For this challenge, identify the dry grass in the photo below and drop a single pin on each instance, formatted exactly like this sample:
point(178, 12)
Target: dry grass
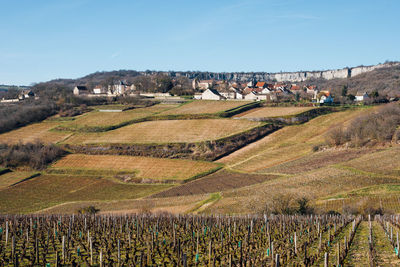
point(206, 107)
point(166, 132)
point(144, 168)
point(313, 185)
point(171, 205)
point(31, 133)
point(382, 162)
point(268, 112)
point(49, 190)
point(11, 178)
point(97, 118)
point(287, 144)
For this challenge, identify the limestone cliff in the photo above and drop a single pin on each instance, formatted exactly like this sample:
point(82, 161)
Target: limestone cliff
point(283, 76)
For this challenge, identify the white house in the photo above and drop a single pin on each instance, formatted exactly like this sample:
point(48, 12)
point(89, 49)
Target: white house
point(211, 94)
point(203, 84)
point(361, 97)
point(197, 96)
point(266, 91)
point(117, 89)
point(81, 90)
point(325, 97)
point(99, 90)
point(255, 96)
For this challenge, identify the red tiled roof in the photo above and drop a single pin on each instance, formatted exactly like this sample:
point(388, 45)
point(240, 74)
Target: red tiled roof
point(260, 84)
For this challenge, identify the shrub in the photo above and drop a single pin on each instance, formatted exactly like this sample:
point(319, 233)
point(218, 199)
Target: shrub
point(88, 210)
point(381, 126)
point(34, 155)
point(21, 114)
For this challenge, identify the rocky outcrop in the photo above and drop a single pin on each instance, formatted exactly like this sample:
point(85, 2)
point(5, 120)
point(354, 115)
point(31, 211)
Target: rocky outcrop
point(282, 76)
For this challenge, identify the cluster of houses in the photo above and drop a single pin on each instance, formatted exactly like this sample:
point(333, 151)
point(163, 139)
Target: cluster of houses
point(23, 95)
point(255, 91)
point(224, 90)
point(119, 88)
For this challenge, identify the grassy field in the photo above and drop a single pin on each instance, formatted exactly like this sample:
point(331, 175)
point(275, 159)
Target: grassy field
point(49, 190)
point(141, 167)
point(31, 133)
point(10, 178)
point(205, 107)
point(98, 118)
point(287, 144)
point(268, 112)
point(166, 132)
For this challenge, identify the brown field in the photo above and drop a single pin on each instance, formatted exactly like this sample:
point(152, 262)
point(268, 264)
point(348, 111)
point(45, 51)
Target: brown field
point(142, 167)
point(389, 203)
point(31, 133)
point(166, 132)
point(313, 185)
point(316, 160)
point(382, 162)
point(170, 205)
point(216, 182)
point(287, 144)
point(97, 118)
point(14, 177)
point(49, 190)
point(268, 112)
point(205, 106)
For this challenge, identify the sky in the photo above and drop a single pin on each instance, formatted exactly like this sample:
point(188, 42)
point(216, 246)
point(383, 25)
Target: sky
point(47, 39)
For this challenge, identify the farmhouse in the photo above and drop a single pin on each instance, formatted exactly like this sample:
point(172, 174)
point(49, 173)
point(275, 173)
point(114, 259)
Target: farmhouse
point(203, 84)
point(232, 93)
point(211, 94)
point(325, 97)
point(99, 90)
point(26, 94)
point(117, 89)
point(255, 96)
point(362, 97)
point(81, 90)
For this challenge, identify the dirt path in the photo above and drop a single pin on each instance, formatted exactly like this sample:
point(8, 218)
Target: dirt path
point(384, 250)
point(359, 249)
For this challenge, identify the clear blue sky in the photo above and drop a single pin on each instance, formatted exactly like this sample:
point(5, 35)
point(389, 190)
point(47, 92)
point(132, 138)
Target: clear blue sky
point(48, 39)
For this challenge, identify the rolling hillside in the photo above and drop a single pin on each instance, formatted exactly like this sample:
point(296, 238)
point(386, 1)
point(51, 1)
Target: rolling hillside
point(286, 162)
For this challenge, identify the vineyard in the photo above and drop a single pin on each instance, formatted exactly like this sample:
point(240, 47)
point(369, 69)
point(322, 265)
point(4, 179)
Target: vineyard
point(99, 118)
point(166, 131)
point(37, 131)
point(133, 169)
point(189, 240)
point(204, 106)
point(268, 112)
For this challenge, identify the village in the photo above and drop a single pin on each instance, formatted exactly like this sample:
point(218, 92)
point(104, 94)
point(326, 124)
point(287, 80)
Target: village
point(224, 90)
point(208, 90)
